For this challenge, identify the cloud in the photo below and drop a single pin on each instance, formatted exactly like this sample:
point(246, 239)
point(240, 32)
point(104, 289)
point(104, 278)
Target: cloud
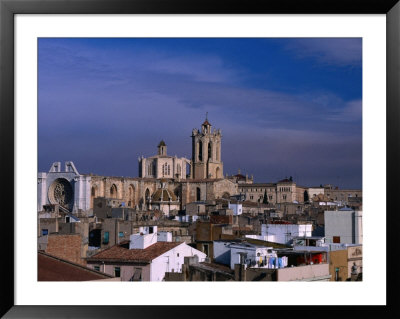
point(196, 68)
point(93, 104)
point(331, 51)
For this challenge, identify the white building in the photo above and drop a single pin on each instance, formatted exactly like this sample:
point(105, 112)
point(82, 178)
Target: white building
point(230, 253)
point(315, 191)
point(67, 188)
point(237, 208)
point(282, 233)
point(144, 257)
point(343, 226)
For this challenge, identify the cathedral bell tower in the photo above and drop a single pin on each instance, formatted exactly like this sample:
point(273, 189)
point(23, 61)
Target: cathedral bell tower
point(206, 153)
point(162, 148)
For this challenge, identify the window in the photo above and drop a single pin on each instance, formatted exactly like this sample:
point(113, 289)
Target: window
point(177, 255)
point(205, 249)
point(336, 239)
point(106, 237)
point(200, 151)
point(45, 232)
point(113, 191)
point(165, 169)
point(117, 271)
point(97, 268)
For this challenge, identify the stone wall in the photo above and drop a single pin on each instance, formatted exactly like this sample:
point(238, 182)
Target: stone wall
point(67, 247)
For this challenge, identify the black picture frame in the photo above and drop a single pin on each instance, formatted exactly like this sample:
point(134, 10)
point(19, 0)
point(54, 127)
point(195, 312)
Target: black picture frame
point(8, 8)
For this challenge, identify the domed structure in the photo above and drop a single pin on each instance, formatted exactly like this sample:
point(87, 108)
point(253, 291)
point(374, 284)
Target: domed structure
point(163, 195)
point(164, 199)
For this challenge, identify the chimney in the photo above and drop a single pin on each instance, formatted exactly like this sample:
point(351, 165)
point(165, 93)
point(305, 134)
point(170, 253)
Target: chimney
point(146, 237)
point(240, 269)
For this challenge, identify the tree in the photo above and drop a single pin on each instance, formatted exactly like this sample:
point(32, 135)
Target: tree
point(265, 199)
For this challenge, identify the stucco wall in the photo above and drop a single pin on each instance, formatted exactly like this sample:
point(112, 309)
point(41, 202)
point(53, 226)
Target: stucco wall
point(305, 273)
point(343, 224)
point(172, 260)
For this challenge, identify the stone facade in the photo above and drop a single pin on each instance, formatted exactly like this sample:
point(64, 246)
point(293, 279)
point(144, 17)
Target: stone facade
point(162, 165)
point(286, 191)
point(75, 192)
point(67, 188)
point(202, 190)
point(206, 153)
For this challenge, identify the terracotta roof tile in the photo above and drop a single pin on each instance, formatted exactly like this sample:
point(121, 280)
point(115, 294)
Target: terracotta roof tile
point(121, 253)
point(52, 268)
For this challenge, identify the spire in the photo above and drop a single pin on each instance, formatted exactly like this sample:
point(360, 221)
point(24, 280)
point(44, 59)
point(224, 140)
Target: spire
point(206, 121)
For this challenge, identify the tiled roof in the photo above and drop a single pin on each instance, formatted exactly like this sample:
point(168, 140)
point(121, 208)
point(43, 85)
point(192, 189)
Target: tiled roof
point(51, 268)
point(206, 122)
point(120, 253)
point(215, 267)
point(255, 185)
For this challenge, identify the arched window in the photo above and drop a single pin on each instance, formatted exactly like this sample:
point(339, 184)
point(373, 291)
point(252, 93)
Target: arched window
point(209, 150)
point(113, 191)
point(226, 195)
point(198, 193)
point(169, 170)
point(179, 170)
point(147, 195)
point(218, 173)
point(93, 195)
point(166, 169)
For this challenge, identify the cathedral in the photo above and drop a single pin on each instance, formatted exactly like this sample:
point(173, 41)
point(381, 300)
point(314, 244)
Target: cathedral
point(178, 180)
point(168, 183)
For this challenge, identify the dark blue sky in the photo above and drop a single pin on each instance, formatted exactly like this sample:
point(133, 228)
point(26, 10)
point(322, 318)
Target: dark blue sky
point(286, 107)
